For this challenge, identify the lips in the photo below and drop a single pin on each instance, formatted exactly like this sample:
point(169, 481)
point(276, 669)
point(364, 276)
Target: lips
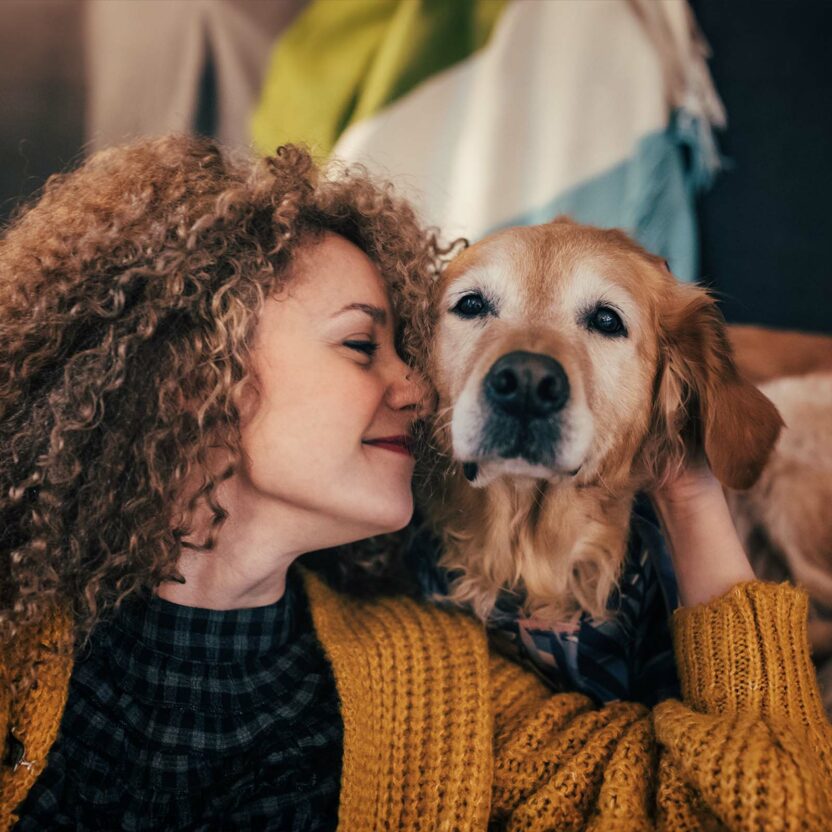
point(398, 444)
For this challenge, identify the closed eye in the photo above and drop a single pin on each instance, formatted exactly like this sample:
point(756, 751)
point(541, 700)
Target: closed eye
point(367, 347)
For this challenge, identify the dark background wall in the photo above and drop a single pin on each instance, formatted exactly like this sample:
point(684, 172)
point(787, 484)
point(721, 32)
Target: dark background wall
point(765, 225)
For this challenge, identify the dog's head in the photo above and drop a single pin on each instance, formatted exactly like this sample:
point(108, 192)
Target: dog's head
point(568, 353)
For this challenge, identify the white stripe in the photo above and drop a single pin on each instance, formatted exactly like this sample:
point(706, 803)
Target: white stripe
point(562, 92)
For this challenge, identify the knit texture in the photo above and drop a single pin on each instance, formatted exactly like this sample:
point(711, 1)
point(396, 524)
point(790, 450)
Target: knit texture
point(29, 724)
point(438, 735)
point(416, 711)
point(754, 714)
point(748, 749)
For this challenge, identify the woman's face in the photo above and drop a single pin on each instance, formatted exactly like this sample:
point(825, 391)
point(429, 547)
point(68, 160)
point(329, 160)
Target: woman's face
point(331, 386)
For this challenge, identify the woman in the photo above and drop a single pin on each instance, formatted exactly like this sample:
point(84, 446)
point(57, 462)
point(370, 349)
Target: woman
point(201, 381)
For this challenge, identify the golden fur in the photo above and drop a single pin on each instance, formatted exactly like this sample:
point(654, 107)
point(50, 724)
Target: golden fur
point(638, 406)
point(763, 354)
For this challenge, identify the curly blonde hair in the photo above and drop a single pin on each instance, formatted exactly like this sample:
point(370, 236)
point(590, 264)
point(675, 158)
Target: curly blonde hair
point(128, 298)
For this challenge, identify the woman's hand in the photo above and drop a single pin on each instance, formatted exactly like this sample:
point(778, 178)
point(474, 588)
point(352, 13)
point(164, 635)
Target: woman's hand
point(707, 554)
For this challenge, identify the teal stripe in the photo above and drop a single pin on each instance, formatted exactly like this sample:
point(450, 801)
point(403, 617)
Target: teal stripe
point(650, 195)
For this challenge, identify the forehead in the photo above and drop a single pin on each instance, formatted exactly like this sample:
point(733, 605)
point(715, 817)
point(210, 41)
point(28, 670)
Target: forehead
point(335, 271)
point(548, 262)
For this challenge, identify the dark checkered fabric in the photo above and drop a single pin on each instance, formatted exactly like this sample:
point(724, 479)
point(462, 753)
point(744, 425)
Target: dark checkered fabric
point(182, 718)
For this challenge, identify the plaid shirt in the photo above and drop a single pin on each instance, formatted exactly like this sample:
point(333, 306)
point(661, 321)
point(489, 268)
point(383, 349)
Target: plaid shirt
point(184, 718)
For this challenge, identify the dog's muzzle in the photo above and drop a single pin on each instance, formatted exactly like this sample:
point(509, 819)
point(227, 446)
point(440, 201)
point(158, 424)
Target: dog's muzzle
point(523, 394)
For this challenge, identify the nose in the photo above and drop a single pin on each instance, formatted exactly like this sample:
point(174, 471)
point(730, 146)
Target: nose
point(409, 389)
point(527, 384)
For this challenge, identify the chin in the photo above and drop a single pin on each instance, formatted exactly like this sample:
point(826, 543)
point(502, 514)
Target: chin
point(394, 518)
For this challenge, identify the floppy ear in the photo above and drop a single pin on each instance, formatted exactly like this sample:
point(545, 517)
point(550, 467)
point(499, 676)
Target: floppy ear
point(702, 403)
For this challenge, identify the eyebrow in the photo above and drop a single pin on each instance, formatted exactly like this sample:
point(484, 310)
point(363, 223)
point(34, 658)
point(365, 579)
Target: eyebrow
point(378, 315)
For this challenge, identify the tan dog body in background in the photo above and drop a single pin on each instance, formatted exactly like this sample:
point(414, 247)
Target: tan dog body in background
point(785, 519)
point(572, 370)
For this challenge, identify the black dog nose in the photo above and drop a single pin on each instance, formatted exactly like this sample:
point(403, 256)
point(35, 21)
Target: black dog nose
point(527, 384)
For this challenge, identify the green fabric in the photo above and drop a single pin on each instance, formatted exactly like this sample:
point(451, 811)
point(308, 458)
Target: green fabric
point(344, 60)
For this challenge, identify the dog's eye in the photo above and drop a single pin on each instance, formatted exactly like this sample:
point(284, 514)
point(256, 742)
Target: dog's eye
point(471, 306)
point(606, 321)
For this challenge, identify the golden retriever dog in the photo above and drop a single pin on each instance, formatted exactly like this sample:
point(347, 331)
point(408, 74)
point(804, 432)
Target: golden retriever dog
point(572, 371)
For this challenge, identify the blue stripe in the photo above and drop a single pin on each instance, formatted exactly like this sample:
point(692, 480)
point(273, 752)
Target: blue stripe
point(650, 195)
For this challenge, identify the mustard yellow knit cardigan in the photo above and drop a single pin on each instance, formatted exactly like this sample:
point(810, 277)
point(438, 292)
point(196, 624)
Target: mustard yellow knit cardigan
point(439, 734)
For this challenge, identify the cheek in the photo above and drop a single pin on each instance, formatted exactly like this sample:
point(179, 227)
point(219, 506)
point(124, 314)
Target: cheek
point(316, 413)
point(444, 368)
point(619, 389)
point(459, 344)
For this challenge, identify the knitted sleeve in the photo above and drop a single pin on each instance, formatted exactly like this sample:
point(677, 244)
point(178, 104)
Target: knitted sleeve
point(748, 748)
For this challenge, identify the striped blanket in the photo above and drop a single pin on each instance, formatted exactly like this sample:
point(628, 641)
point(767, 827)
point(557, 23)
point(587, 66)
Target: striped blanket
point(490, 113)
